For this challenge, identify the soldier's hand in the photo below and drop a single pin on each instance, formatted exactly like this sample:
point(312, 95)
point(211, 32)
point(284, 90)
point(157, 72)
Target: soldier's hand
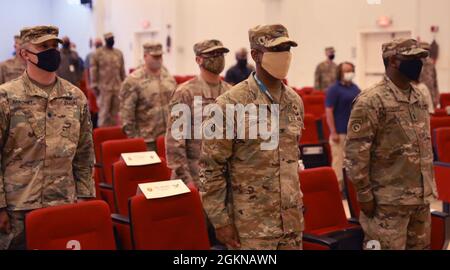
point(368, 208)
point(228, 236)
point(335, 138)
point(5, 225)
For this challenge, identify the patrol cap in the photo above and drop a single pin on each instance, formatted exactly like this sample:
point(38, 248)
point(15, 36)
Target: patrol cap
point(208, 46)
point(153, 48)
point(404, 47)
point(39, 34)
point(425, 46)
point(108, 35)
point(268, 36)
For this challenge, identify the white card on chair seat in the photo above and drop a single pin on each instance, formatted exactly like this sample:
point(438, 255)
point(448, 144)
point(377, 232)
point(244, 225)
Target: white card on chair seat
point(163, 189)
point(141, 158)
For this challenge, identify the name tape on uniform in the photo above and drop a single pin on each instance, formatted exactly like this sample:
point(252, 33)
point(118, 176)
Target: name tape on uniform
point(141, 159)
point(158, 190)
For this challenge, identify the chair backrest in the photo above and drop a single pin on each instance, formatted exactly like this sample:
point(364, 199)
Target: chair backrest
point(102, 135)
point(445, 100)
point(442, 176)
point(315, 105)
point(82, 226)
point(325, 128)
point(174, 223)
point(126, 180)
point(322, 199)
point(442, 144)
point(310, 134)
point(439, 113)
point(183, 79)
point(112, 151)
point(438, 122)
point(161, 146)
point(352, 198)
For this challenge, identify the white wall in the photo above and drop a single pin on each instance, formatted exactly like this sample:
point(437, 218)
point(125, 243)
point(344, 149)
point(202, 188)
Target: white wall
point(73, 20)
point(315, 24)
point(17, 14)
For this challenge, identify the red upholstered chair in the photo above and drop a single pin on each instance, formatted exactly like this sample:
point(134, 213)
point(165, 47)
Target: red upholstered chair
point(183, 79)
point(442, 176)
point(440, 222)
point(324, 212)
point(440, 113)
point(315, 105)
point(161, 147)
point(125, 182)
point(325, 128)
point(445, 100)
point(111, 152)
point(442, 144)
point(82, 226)
point(310, 134)
point(174, 223)
point(439, 122)
point(100, 136)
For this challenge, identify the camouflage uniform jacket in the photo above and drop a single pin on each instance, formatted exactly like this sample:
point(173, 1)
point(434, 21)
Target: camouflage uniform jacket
point(46, 147)
point(107, 69)
point(144, 104)
point(183, 155)
point(389, 155)
point(325, 75)
point(429, 78)
point(11, 69)
point(266, 199)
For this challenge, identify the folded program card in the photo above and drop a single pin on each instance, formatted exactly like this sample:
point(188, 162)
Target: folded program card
point(141, 158)
point(163, 189)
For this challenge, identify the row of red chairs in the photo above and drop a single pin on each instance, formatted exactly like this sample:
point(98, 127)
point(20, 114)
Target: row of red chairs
point(175, 223)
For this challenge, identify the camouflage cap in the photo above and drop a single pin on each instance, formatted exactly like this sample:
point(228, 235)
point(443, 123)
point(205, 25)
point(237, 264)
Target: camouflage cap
point(153, 48)
point(268, 36)
point(404, 47)
point(39, 34)
point(108, 35)
point(208, 46)
point(425, 46)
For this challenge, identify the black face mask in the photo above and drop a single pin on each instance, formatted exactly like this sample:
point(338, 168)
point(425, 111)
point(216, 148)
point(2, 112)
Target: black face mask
point(411, 69)
point(242, 63)
point(332, 57)
point(66, 45)
point(110, 43)
point(48, 60)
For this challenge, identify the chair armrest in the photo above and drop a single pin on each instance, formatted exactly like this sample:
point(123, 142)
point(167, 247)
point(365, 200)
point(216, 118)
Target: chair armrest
point(331, 243)
point(105, 186)
point(120, 219)
point(354, 221)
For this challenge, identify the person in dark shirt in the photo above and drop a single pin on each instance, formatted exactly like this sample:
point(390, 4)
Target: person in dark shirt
point(70, 69)
point(340, 97)
point(241, 71)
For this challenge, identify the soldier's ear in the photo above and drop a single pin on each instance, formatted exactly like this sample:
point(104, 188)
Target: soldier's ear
point(257, 56)
point(199, 60)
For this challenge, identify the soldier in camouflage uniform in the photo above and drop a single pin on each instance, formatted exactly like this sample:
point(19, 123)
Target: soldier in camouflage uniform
point(183, 155)
point(389, 157)
point(14, 67)
point(145, 97)
point(46, 147)
point(326, 72)
point(429, 76)
point(107, 74)
point(251, 195)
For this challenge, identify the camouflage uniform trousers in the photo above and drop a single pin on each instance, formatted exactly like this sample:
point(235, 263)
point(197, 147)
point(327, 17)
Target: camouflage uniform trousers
point(108, 103)
point(399, 227)
point(16, 239)
point(292, 241)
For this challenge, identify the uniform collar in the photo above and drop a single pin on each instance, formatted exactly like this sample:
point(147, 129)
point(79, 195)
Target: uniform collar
point(261, 98)
point(400, 95)
point(32, 89)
